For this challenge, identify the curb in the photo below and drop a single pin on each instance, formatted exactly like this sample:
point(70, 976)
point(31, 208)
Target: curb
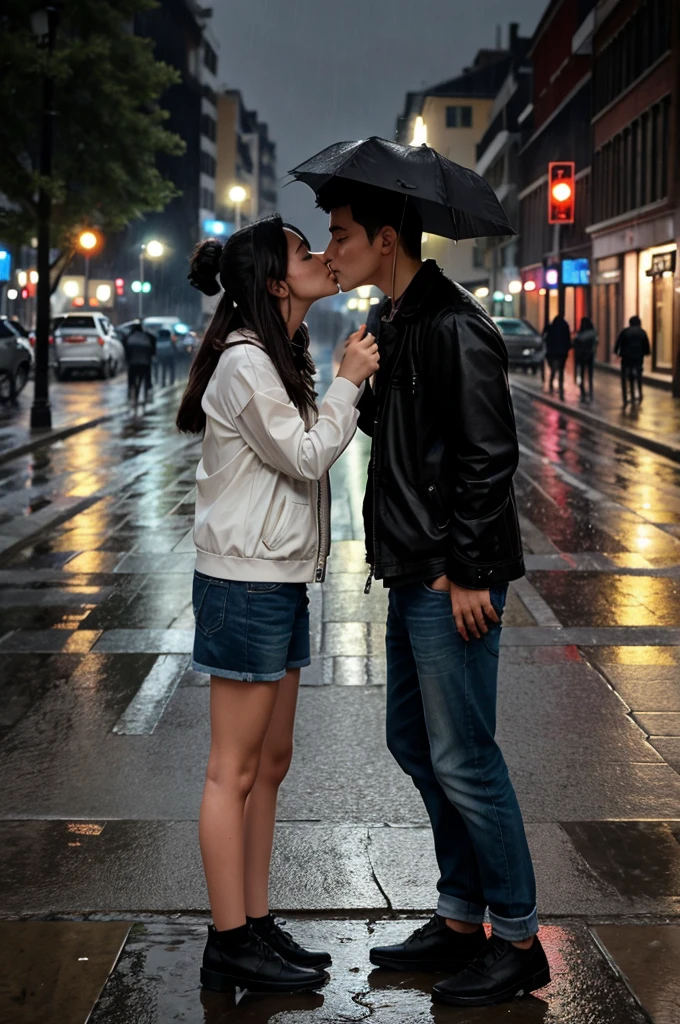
point(41, 440)
point(625, 433)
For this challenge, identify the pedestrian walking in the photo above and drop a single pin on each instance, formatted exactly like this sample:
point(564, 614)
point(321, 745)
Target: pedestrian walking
point(557, 345)
point(442, 533)
point(585, 346)
point(166, 358)
point(139, 347)
point(632, 345)
point(262, 533)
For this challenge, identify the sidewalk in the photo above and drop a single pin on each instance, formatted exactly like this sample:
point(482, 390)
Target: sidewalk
point(654, 425)
point(76, 405)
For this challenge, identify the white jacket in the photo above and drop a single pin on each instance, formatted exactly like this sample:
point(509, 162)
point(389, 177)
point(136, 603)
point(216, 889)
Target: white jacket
point(262, 510)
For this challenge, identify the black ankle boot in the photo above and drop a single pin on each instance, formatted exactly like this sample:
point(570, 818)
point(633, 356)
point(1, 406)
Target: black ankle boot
point(500, 973)
point(254, 965)
point(285, 945)
point(434, 947)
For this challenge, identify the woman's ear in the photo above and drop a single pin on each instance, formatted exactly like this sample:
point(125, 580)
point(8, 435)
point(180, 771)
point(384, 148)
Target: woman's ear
point(279, 289)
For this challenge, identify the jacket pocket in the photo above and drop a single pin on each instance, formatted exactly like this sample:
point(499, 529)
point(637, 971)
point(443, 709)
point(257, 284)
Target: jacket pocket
point(286, 521)
point(441, 516)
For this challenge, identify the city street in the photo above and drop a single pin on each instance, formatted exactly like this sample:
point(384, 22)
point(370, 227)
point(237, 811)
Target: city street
point(105, 735)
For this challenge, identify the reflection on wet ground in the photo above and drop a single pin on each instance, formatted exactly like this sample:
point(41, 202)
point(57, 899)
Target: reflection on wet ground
point(155, 982)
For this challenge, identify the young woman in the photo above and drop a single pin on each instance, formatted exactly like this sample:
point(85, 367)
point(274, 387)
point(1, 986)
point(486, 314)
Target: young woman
point(261, 534)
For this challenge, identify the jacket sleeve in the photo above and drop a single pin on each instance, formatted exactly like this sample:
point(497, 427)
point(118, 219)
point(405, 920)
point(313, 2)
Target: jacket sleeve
point(467, 380)
point(272, 426)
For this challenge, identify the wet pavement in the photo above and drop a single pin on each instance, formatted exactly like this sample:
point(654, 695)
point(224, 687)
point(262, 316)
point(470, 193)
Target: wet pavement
point(104, 732)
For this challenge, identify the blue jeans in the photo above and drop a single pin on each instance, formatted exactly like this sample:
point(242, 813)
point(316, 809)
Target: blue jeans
point(441, 723)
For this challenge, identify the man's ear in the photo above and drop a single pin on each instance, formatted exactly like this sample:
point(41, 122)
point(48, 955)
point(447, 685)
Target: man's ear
point(279, 289)
point(388, 240)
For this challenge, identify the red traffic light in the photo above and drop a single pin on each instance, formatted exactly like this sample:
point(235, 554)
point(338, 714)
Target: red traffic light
point(561, 192)
point(120, 286)
point(24, 293)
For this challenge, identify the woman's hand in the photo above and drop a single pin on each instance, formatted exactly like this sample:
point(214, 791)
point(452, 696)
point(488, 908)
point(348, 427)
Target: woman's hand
point(361, 357)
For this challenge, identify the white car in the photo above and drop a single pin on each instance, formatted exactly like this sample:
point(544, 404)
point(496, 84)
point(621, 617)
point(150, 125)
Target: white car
point(86, 341)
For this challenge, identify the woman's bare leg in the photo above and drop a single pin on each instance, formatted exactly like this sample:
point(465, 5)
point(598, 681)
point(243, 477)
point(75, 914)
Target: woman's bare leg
point(260, 813)
point(240, 715)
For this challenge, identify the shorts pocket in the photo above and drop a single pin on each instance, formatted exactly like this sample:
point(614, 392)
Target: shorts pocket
point(210, 604)
point(263, 588)
point(492, 638)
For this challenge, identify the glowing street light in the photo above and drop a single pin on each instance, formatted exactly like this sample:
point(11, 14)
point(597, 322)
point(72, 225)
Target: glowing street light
point(154, 250)
point(237, 196)
point(515, 287)
point(88, 241)
point(482, 293)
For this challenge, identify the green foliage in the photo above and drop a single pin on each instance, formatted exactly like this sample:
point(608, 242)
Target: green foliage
point(108, 126)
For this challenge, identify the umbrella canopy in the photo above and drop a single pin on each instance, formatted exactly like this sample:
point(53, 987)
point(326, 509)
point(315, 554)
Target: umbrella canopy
point(453, 201)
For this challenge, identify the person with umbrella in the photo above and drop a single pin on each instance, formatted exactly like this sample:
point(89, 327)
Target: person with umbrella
point(442, 533)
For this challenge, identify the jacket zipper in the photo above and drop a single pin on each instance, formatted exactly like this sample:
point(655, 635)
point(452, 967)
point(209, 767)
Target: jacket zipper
point(322, 526)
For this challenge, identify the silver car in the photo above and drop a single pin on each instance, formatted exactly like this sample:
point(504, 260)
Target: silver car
point(16, 359)
point(86, 341)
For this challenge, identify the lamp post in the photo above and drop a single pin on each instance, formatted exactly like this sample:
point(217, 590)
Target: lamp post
point(88, 241)
point(237, 196)
point(154, 250)
point(44, 25)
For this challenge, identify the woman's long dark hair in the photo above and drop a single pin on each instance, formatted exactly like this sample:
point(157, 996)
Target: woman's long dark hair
point(252, 256)
point(586, 324)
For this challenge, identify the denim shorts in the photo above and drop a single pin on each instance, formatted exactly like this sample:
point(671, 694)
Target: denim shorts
point(250, 631)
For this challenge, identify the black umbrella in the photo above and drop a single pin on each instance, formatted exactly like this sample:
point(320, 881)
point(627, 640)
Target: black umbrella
point(452, 200)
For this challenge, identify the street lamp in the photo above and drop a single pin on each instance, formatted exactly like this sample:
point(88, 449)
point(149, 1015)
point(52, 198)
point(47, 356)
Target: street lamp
point(44, 25)
point(88, 242)
point(154, 250)
point(237, 196)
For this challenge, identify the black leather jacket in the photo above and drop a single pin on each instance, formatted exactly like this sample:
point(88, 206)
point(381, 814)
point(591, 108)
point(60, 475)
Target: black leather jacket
point(444, 442)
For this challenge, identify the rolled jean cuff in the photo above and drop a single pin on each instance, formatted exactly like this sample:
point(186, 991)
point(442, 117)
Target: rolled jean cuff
point(514, 929)
point(459, 910)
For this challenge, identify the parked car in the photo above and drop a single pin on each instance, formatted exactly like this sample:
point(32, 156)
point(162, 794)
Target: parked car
point(86, 341)
point(526, 347)
point(16, 359)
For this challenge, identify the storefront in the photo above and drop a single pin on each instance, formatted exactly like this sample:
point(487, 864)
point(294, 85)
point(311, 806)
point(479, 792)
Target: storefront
point(607, 305)
point(656, 271)
point(576, 284)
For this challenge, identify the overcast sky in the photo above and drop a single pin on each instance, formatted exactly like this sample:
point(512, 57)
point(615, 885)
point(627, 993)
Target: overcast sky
point(319, 72)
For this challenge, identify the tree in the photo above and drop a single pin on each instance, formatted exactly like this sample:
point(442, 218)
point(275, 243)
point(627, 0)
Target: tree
point(108, 127)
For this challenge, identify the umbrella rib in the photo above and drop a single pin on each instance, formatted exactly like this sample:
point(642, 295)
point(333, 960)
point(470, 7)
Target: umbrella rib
point(446, 193)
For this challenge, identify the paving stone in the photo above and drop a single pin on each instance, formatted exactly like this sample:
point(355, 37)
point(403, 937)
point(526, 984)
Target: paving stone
point(56, 970)
point(349, 638)
point(404, 863)
point(647, 955)
point(669, 749)
point(153, 641)
point(659, 723)
point(637, 858)
point(646, 687)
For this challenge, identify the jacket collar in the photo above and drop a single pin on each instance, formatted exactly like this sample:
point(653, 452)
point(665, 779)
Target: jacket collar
point(422, 284)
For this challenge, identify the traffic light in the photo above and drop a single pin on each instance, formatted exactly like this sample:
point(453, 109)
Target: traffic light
point(561, 192)
point(120, 286)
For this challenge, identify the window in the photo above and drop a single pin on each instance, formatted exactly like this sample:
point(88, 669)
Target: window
point(210, 58)
point(641, 41)
point(207, 199)
point(208, 164)
point(459, 117)
point(209, 127)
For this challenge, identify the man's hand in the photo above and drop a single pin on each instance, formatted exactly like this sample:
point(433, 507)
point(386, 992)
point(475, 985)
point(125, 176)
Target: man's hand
point(471, 608)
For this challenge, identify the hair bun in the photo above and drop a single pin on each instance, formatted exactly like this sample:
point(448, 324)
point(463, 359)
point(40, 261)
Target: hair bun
point(205, 266)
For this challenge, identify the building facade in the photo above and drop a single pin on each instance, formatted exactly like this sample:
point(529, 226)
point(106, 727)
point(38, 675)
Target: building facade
point(497, 156)
point(635, 222)
point(452, 117)
point(246, 156)
point(555, 259)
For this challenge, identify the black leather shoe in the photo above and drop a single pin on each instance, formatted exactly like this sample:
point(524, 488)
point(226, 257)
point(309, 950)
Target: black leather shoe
point(253, 965)
point(500, 973)
point(285, 945)
point(434, 947)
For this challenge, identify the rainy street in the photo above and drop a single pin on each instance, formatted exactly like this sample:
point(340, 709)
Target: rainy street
point(105, 732)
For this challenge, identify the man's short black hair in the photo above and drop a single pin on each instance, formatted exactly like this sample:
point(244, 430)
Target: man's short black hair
point(375, 208)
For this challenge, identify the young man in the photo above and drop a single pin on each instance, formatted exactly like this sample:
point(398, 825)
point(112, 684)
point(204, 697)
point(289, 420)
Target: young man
point(632, 345)
point(442, 533)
